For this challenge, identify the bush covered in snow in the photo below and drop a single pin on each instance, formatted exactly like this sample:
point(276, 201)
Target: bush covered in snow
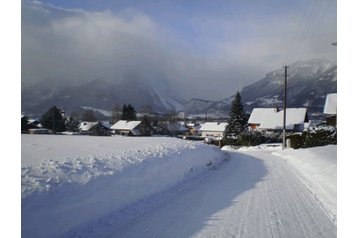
point(253, 138)
point(317, 136)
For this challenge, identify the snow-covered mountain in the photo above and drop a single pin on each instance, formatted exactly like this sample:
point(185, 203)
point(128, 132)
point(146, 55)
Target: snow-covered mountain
point(307, 86)
point(102, 95)
point(200, 106)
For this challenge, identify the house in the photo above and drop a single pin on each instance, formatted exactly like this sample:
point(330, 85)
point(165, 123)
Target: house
point(330, 109)
point(93, 128)
point(193, 129)
point(271, 119)
point(127, 128)
point(213, 129)
point(34, 123)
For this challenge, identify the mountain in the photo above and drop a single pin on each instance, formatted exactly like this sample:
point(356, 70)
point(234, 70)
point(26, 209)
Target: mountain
point(101, 94)
point(200, 106)
point(307, 86)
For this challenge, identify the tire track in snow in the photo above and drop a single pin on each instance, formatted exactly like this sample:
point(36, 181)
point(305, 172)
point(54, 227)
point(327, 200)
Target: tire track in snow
point(255, 194)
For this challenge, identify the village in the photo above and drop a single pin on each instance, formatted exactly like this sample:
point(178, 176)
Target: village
point(267, 121)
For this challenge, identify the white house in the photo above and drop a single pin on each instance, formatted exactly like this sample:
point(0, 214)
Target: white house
point(92, 128)
point(330, 108)
point(86, 126)
point(271, 119)
point(124, 127)
point(213, 129)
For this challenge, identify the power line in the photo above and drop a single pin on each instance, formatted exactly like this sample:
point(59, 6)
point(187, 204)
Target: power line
point(308, 27)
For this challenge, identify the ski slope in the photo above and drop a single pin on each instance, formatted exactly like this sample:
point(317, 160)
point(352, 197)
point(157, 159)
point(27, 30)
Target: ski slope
point(254, 194)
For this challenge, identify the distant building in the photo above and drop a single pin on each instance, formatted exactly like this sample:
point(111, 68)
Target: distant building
point(93, 128)
point(271, 119)
point(213, 129)
point(127, 128)
point(330, 109)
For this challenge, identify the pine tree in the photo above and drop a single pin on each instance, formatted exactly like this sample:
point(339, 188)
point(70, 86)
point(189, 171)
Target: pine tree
point(116, 114)
point(128, 113)
point(54, 120)
point(24, 122)
point(146, 128)
point(238, 119)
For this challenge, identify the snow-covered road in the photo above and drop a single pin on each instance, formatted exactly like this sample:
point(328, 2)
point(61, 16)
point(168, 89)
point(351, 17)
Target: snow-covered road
point(254, 194)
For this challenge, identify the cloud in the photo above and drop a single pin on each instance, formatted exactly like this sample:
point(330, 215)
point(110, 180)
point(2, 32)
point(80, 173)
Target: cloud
point(74, 45)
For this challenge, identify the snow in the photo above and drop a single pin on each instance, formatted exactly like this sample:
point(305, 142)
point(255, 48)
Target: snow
point(330, 106)
point(125, 125)
point(318, 168)
point(213, 126)
point(270, 118)
point(85, 126)
point(68, 181)
point(254, 194)
point(81, 186)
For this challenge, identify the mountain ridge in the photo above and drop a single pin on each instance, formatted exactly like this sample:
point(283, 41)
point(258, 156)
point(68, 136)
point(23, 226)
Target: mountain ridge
point(308, 84)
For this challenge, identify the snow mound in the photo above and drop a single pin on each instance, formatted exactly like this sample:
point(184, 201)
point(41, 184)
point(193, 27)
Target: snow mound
point(62, 192)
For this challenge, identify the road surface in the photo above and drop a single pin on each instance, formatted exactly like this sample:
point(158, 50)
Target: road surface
point(254, 194)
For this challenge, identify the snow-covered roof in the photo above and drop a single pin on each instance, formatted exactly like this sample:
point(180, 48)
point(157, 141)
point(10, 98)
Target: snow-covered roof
point(271, 118)
point(85, 126)
point(125, 125)
point(213, 126)
point(331, 104)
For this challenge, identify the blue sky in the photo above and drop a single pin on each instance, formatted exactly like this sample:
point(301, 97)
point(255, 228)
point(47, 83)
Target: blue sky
point(217, 47)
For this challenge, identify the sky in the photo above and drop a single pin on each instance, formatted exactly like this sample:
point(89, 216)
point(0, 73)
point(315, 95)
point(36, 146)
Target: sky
point(204, 49)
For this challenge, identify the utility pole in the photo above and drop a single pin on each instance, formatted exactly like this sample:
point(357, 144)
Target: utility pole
point(53, 121)
point(284, 111)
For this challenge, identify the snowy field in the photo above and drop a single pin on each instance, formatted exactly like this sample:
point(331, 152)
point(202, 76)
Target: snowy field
point(83, 186)
point(68, 181)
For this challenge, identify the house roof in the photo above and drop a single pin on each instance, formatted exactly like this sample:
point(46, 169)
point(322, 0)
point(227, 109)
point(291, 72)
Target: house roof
point(213, 126)
point(125, 125)
point(331, 104)
point(86, 126)
point(271, 118)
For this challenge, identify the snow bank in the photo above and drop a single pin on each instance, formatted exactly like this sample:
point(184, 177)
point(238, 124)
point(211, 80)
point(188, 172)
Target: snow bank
point(68, 181)
point(262, 147)
point(318, 167)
